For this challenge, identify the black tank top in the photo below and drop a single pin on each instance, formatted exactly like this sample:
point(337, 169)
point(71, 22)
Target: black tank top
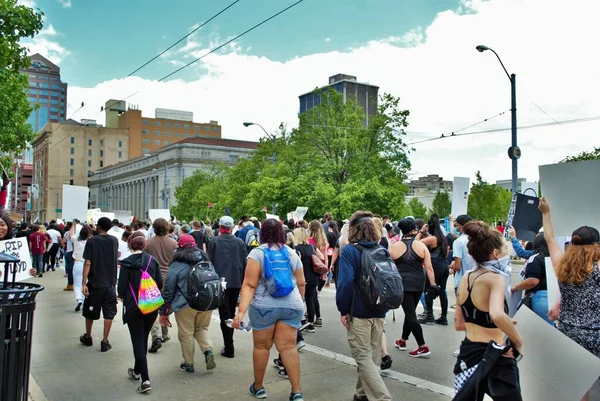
point(476, 316)
point(410, 266)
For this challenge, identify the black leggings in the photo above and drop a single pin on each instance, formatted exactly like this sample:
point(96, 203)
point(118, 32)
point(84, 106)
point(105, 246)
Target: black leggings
point(227, 311)
point(52, 256)
point(139, 331)
point(441, 272)
point(411, 323)
point(311, 300)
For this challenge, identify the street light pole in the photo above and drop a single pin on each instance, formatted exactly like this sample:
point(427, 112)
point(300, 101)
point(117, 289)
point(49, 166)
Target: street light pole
point(274, 157)
point(165, 200)
point(514, 152)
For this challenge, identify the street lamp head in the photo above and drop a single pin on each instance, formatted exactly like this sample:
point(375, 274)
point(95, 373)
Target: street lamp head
point(482, 48)
point(247, 124)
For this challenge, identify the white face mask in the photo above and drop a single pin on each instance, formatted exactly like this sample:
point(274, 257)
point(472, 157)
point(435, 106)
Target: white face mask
point(503, 264)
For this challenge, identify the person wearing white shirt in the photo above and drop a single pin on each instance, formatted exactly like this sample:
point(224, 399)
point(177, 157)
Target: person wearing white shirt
point(56, 237)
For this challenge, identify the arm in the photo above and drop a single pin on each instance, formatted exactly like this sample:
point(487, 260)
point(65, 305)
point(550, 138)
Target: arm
point(522, 253)
point(526, 284)
point(168, 291)
point(499, 317)
point(555, 251)
point(122, 286)
point(345, 284)
point(428, 265)
point(86, 272)
point(249, 286)
point(459, 320)
point(300, 281)
point(457, 265)
point(430, 241)
point(334, 258)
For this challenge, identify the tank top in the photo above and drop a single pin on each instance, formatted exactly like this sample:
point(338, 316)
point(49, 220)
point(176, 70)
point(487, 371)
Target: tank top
point(410, 266)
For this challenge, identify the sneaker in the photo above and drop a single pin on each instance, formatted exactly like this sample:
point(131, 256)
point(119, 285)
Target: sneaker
point(105, 346)
point(132, 375)
point(144, 387)
point(386, 362)
point(442, 321)
point(156, 344)
point(278, 363)
point(260, 393)
point(78, 307)
point(227, 353)
point(427, 319)
point(318, 322)
point(360, 398)
point(455, 353)
point(165, 339)
point(421, 315)
point(283, 374)
point(85, 340)
point(401, 345)
point(296, 397)
point(310, 328)
point(304, 321)
point(420, 352)
point(40, 275)
point(300, 344)
point(184, 367)
point(209, 358)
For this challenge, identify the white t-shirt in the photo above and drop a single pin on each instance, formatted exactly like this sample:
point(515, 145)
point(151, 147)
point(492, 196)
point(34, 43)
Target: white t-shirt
point(124, 250)
point(145, 232)
point(55, 235)
point(116, 232)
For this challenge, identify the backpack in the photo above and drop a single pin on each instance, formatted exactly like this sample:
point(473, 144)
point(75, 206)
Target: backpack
point(278, 272)
point(204, 289)
point(251, 239)
point(149, 298)
point(379, 283)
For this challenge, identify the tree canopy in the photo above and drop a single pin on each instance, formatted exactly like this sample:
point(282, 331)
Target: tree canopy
point(331, 163)
point(442, 204)
point(488, 202)
point(583, 156)
point(417, 209)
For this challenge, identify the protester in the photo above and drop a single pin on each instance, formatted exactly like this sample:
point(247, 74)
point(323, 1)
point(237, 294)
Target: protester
point(274, 310)
point(191, 324)
point(56, 237)
point(139, 324)
point(482, 312)
point(99, 282)
point(306, 251)
point(198, 234)
point(37, 246)
point(78, 244)
point(228, 255)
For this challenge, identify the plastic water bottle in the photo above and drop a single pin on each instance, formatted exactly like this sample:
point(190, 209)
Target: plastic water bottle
point(243, 326)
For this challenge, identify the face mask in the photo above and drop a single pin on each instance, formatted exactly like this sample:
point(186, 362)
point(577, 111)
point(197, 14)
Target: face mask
point(455, 231)
point(502, 265)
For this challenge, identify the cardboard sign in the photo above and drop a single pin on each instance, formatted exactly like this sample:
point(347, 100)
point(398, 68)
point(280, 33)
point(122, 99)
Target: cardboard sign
point(272, 216)
point(154, 214)
point(98, 215)
point(89, 216)
point(300, 213)
point(460, 196)
point(19, 248)
point(75, 202)
point(572, 192)
point(124, 216)
point(552, 284)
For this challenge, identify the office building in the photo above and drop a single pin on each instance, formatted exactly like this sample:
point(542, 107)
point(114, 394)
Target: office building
point(507, 184)
point(429, 184)
point(67, 153)
point(150, 134)
point(365, 94)
point(20, 199)
point(149, 182)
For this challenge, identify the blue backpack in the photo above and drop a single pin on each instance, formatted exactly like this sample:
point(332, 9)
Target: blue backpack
point(278, 272)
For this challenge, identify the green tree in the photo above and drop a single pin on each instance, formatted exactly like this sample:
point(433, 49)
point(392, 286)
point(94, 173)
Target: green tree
point(488, 202)
point(417, 209)
point(16, 22)
point(442, 204)
point(583, 156)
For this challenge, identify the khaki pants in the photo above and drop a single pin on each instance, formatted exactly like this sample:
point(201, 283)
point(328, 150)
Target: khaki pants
point(191, 325)
point(159, 331)
point(364, 339)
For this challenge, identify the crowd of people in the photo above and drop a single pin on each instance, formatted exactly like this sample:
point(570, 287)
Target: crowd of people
point(271, 273)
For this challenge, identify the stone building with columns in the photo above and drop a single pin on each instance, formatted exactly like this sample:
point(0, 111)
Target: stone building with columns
point(149, 181)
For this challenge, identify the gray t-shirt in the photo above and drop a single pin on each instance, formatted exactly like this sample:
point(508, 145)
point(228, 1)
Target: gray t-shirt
point(262, 299)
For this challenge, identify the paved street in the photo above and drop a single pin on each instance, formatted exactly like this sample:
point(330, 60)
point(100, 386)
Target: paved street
point(65, 370)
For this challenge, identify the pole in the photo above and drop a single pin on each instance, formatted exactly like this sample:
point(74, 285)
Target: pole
point(17, 190)
point(513, 112)
point(165, 200)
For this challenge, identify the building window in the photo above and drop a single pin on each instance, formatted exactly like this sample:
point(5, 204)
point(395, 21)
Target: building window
point(156, 141)
point(145, 132)
point(72, 139)
point(71, 182)
point(62, 96)
point(33, 84)
point(72, 162)
point(177, 135)
point(156, 133)
point(196, 128)
point(54, 94)
point(54, 101)
point(32, 91)
point(71, 173)
point(120, 143)
point(216, 129)
point(101, 142)
point(166, 143)
point(43, 77)
point(32, 98)
point(145, 150)
point(145, 141)
point(166, 133)
point(157, 123)
point(101, 163)
point(89, 142)
point(54, 86)
point(72, 151)
point(89, 163)
point(167, 125)
point(90, 152)
point(42, 100)
point(120, 154)
point(234, 158)
point(53, 78)
point(186, 126)
point(43, 85)
point(177, 125)
point(54, 117)
point(206, 128)
point(62, 104)
point(145, 122)
point(43, 93)
point(54, 109)
point(186, 135)
point(101, 153)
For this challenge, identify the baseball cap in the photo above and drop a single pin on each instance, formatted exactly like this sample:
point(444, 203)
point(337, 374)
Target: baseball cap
point(226, 222)
point(407, 226)
point(463, 219)
point(186, 241)
point(585, 236)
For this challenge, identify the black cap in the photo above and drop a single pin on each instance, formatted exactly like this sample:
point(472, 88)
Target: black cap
point(585, 236)
point(407, 226)
point(463, 219)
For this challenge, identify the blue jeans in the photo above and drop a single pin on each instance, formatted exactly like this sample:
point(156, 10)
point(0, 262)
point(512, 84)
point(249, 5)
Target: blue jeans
point(37, 262)
point(69, 262)
point(539, 304)
point(263, 319)
point(424, 303)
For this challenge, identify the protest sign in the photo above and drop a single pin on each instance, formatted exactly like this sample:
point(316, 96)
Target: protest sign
point(272, 216)
point(300, 213)
point(552, 284)
point(74, 202)
point(524, 216)
point(19, 248)
point(154, 214)
point(124, 216)
point(460, 196)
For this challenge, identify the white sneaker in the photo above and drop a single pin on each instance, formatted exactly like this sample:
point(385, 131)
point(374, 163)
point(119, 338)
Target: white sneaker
point(300, 345)
point(455, 353)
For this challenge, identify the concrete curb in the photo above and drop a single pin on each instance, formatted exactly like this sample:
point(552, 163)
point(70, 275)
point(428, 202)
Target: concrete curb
point(35, 393)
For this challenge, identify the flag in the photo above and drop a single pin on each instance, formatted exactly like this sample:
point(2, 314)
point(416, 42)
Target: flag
point(210, 205)
point(265, 209)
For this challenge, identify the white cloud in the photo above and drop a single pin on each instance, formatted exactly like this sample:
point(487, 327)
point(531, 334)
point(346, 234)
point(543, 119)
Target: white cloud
point(440, 77)
point(327, 40)
point(45, 43)
point(65, 3)
point(27, 3)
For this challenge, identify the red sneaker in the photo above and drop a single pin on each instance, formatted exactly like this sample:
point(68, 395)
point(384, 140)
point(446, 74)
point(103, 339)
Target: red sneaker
point(401, 345)
point(420, 352)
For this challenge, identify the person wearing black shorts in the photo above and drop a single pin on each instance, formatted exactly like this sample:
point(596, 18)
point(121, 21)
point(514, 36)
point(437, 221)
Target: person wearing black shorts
point(99, 281)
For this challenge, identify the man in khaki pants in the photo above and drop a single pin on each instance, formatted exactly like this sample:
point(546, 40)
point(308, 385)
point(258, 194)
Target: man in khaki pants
point(365, 327)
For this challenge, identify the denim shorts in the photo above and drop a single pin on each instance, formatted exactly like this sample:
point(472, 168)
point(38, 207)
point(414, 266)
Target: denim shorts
point(263, 319)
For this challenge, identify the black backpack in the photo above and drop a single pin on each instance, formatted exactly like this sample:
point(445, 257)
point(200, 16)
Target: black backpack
point(204, 291)
point(379, 283)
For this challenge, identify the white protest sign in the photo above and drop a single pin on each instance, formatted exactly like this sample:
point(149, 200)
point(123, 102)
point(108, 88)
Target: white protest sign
point(154, 214)
point(124, 216)
point(19, 248)
point(89, 217)
point(300, 213)
point(290, 216)
point(75, 202)
point(460, 196)
point(547, 355)
point(572, 192)
point(552, 284)
point(98, 215)
point(272, 216)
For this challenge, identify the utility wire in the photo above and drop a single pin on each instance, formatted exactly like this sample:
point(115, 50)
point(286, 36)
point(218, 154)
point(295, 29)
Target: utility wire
point(548, 115)
point(561, 122)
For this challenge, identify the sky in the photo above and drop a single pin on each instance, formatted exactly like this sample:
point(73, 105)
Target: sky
point(421, 51)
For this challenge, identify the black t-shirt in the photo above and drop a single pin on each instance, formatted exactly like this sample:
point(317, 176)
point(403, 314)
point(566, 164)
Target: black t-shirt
point(306, 252)
point(200, 238)
point(536, 268)
point(101, 251)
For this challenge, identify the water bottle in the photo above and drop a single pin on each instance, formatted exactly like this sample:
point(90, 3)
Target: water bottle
point(243, 326)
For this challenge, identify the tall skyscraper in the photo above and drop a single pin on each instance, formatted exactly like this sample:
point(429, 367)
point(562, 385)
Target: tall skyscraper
point(365, 94)
point(46, 90)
